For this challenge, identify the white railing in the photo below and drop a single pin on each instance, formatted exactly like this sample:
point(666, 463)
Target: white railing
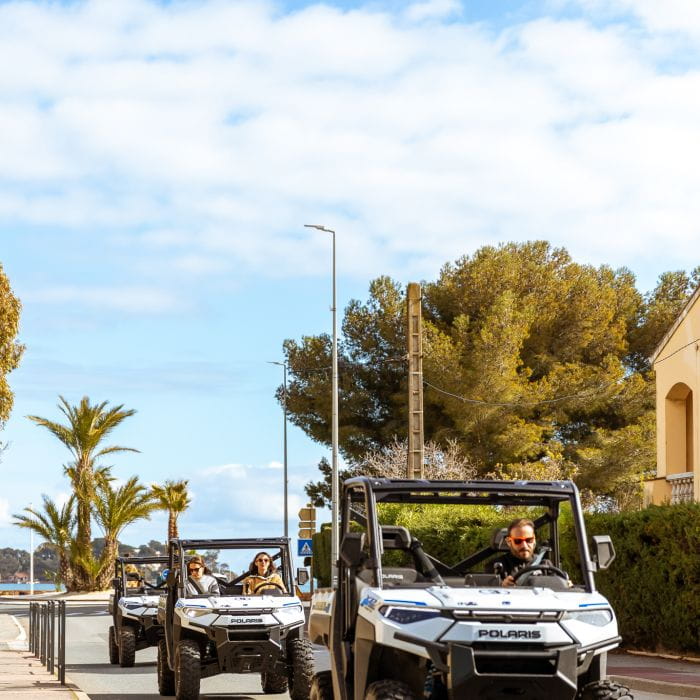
point(681, 487)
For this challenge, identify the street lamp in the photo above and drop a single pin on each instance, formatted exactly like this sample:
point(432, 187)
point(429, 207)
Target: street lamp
point(31, 557)
point(334, 426)
point(286, 482)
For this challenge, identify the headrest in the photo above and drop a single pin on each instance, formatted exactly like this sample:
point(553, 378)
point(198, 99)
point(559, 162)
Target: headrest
point(498, 540)
point(395, 537)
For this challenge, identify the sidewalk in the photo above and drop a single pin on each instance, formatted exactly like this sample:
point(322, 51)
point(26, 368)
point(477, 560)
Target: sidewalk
point(656, 674)
point(21, 674)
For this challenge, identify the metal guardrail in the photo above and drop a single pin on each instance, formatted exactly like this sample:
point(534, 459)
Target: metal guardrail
point(47, 635)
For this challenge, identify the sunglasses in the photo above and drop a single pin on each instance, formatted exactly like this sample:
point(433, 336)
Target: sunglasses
point(262, 561)
point(195, 568)
point(520, 540)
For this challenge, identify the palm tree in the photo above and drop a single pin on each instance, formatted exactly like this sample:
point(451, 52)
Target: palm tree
point(56, 527)
point(88, 425)
point(114, 510)
point(173, 497)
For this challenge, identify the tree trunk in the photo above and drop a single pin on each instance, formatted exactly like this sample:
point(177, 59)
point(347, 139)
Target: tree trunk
point(172, 524)
point(65, 573)
point(106, 573)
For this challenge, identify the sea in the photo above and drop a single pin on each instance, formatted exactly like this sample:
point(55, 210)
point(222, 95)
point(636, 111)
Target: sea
point(27, 587)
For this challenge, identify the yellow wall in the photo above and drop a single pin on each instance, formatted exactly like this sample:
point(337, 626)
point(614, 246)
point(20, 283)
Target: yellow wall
point(677, 405)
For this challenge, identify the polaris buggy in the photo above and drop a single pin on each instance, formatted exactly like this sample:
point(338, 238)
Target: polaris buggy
point(207, 634)
point(133, 605)
point(403, 624)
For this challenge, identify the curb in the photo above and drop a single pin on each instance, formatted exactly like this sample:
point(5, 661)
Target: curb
point(682, 690)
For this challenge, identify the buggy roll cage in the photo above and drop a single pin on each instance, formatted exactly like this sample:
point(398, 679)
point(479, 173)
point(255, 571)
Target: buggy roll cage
point(120, 564)
point(369, 491)
point(177, 556)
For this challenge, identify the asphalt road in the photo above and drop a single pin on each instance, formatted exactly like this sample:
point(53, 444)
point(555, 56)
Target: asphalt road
point(88, 666)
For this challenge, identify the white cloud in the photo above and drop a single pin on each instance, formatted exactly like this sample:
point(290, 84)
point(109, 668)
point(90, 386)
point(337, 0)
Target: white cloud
point(141, 300)
point(212, 132)
point(232, 471)
point(432, 9)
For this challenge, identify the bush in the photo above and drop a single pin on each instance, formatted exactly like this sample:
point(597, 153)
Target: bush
point(654, 582)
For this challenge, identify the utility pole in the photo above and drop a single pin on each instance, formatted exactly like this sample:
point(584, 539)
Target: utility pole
point(415, 383)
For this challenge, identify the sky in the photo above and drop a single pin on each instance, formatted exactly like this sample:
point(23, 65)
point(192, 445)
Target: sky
point(158, 162)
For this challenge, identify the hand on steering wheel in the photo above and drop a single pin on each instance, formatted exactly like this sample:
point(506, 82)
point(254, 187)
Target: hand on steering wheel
point(265, 584)
point(527, 572)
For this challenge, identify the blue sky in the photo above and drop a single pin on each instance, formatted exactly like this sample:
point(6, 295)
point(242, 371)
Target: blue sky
point(158, 162)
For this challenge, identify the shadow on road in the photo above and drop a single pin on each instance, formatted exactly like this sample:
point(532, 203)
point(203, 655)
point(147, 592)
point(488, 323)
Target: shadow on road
point(106, 669)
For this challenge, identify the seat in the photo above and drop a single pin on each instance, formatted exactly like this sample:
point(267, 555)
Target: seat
point(395, 576)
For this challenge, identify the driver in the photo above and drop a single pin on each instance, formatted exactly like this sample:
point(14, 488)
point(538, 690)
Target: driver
point(263, 576)
point(521, 543)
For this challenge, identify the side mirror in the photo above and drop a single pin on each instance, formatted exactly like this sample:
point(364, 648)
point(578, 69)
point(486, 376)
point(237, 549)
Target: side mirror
point(308, 561)
point(604, 551)
point(351, 548)
point(116, 582)
point(302, 577)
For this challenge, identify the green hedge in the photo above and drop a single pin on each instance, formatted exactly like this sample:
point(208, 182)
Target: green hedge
point(653, 584)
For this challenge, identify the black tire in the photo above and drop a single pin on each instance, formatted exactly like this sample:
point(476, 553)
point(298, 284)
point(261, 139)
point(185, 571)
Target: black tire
point(188, 669)
point(389, 690)
point(300, 659)
point(166, 678)
point(273, 682)
point(321, 686)
point(127, 646)
point(113, 646)
point(605, 690)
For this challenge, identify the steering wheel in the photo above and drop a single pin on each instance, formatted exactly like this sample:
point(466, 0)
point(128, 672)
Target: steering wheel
point(526, 573)
point(265, 584)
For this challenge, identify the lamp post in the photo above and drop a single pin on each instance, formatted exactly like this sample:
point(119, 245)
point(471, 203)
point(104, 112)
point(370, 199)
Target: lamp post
point(286, 481)
point(31, 558)
point(335, 535)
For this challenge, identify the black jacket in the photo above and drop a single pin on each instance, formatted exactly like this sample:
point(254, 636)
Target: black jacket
point(512, 564)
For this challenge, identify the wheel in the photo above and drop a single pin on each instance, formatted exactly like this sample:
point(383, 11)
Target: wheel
point(188, 669)
point(605, 690)
point(113, 646)
point(321, 686)
point(166, 678)
point(300, 659)
point(127, 646)
point(273, 682)
point(389, 690)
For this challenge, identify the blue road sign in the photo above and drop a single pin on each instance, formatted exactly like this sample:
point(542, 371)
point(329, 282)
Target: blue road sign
point(305, 548)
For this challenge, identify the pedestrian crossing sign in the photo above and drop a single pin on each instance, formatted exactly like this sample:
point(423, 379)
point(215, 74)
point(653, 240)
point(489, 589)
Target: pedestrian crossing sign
point(305, 548)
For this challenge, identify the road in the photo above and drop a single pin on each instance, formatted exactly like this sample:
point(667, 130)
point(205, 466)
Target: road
point(87, 664)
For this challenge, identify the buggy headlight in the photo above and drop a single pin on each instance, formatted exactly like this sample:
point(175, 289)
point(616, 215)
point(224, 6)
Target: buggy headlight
point(196, 612)
point(292, 611)
point(599, 618)
point(405, 616)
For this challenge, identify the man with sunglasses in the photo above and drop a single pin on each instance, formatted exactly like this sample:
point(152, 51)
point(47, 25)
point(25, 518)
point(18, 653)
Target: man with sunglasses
point(521, 543)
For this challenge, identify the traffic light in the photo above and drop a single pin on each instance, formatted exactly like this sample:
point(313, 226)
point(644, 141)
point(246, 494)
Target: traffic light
point(307, 522)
